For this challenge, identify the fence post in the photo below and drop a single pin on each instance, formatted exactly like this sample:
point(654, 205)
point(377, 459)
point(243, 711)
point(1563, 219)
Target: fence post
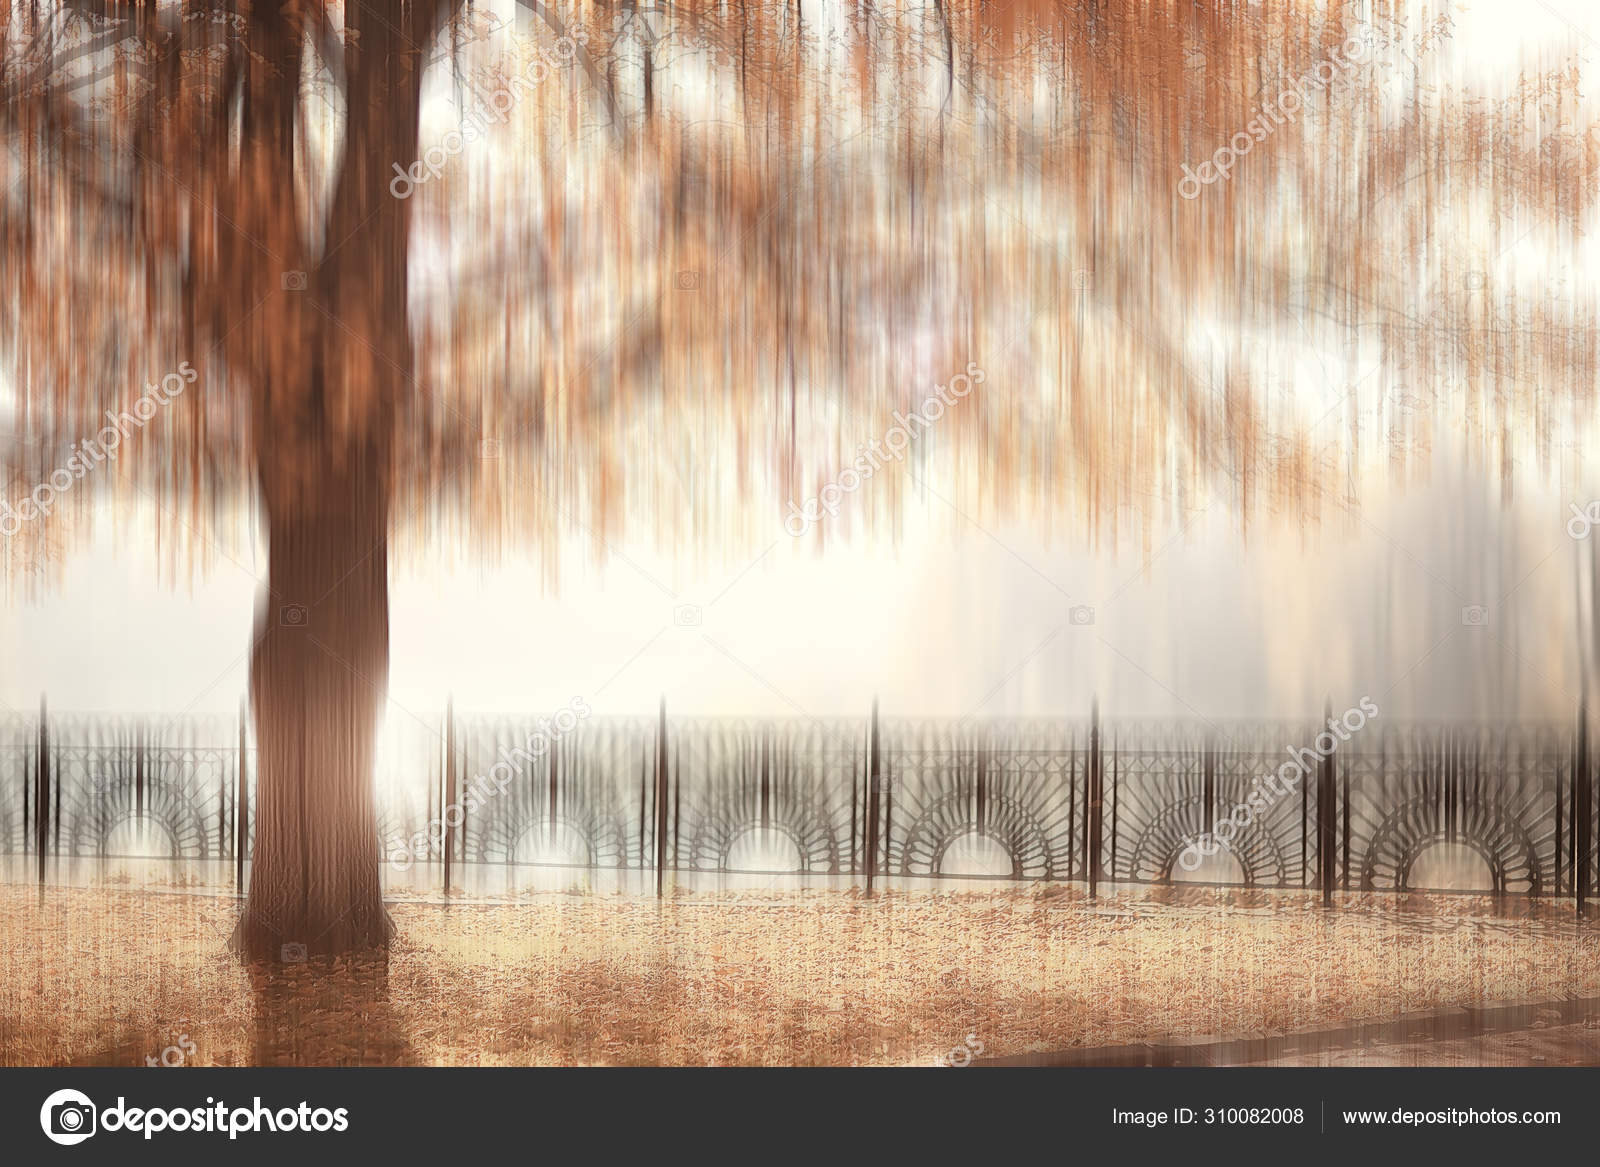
point(552, 796)
point(661, 802)
point(1091, 820)
point(138, 773)
point(870, 832)
point(855, 816)
point(54, 778)
point(448, 781)
point(1345, 872)
point(982, 792)
point(1070, 794)
point(644, 803)
point(887, 834)
point(27, 785)
point(1305, 858)
point(1582, 807)
point(222, 812)
point(41, 793)
point(241, 807)
point(1327, 806)
point(1560, 831)
point(1115, 799)
point(463, 783)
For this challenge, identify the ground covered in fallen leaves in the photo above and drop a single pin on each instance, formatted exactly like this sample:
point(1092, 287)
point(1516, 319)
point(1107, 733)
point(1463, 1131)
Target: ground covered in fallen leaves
point(97, 976)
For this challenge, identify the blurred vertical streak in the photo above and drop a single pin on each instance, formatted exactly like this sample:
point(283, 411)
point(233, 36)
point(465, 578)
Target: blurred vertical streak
point(1113, 805)
point(241, 805)
point(661, 801)
point(870, 831)
point(448, 791)
point(1094, 794)
point(1582, 805)
point(1327, 780)
point(41, 794)
point(1345, 879)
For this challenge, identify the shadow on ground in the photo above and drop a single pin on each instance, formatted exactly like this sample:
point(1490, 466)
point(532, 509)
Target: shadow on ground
point(326, 1013)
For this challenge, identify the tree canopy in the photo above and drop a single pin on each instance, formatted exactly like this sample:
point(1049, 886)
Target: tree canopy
point(705, 250)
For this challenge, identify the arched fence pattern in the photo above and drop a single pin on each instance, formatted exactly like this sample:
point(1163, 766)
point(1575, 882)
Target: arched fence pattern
point(864, 800)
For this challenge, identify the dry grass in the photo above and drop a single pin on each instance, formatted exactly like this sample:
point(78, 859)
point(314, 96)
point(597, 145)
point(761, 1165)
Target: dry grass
point(95, 976)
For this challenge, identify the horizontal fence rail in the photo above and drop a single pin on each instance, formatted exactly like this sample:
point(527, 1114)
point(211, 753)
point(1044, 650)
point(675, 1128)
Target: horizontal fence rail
point(864, 800)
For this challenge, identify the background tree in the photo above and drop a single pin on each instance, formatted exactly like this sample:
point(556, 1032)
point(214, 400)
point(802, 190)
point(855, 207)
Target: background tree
point(710, 253)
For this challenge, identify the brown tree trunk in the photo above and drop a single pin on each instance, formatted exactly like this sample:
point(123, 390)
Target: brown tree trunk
point(317, 681)
point(331, 367)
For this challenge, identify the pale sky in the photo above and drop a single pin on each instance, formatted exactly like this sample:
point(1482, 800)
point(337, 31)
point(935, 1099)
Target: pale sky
point(953, 620)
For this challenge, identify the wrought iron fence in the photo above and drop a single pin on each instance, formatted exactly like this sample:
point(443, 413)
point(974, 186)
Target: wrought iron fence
point(862, 799)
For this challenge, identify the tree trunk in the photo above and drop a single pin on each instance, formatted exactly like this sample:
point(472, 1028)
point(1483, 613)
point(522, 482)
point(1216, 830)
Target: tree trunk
point(317, 679)
point(331, 367)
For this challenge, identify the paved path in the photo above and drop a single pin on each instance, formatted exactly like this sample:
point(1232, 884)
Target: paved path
point(1515, 1033)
